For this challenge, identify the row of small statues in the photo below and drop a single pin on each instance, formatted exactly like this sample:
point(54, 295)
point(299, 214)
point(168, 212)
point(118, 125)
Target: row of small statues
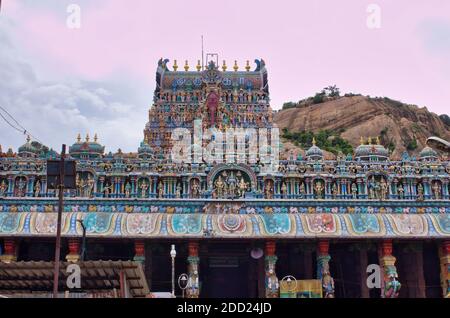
point(225, 96)
point(230, 186)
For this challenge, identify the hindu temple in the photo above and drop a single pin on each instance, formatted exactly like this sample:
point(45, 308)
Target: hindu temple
point(362, 225)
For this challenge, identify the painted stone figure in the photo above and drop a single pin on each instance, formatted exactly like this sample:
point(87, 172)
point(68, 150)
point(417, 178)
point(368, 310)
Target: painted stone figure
point(437, 191)
point(144, 187)
point(212, 105)
point(420, 192)
point(400, 191)
point(383, 189)
point(127, 190)
point(354, 190)
point(219, 187)
point(3, 188)
point(37, 189)
point(160, 190)
point(178, 191)
point(318, 187)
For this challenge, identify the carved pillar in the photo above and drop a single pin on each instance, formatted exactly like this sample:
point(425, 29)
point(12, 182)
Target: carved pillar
point(271, 281)
point(193, 285)
point(30, 186)
point(323, 268)
point(10, 186)
point(390, 286)
point(444, 252)
point(139, 251)
point(9, 251)
point(74, 250)
point(101, 188)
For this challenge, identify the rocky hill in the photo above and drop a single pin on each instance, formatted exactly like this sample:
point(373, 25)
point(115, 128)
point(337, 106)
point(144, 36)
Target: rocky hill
point(399, 126)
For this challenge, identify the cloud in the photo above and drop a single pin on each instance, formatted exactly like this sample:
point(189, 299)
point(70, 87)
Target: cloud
point(436, 35)
point(56, 111)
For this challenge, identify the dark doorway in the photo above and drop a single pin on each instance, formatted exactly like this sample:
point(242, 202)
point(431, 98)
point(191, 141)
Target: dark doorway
point(226, 274)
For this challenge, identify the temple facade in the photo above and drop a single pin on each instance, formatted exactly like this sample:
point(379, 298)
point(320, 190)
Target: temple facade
point(240, 224)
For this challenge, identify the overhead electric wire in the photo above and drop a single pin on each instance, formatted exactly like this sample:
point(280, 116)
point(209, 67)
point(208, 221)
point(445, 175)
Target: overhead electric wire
point(17, 125)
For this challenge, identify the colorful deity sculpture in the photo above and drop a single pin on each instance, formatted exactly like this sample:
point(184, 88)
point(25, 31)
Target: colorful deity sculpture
point(384, 188)
point(437, 190)
point(3, 188)
point(212, 105)
point(390, 286)
point(37, 189)
point(318, 187)
point(334, 190)
point(144, 187)
point(323, 269)
point(354, 190)
point(127, 190)
point(242, 187)
point(400, 191)
point(195, 188)
point(193, 283)
point(268, 189)
point(178, 191)
point(420, 192)
point(219, 187)
point(302, 189)
point(271, 280)
point(160, 190)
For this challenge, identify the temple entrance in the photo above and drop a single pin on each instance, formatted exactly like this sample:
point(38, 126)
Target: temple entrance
point(227, 273)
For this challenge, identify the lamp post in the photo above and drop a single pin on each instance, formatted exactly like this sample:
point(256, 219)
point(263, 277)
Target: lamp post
point(173, 254)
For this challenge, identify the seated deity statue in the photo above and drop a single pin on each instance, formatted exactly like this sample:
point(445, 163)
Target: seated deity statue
point(319, 190)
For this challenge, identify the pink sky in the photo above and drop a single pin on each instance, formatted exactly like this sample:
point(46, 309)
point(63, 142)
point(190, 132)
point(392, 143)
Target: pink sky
point(306, 45)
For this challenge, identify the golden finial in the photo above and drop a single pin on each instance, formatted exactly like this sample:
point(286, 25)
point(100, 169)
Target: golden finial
point(378, 140)
point(224, 66)
point(175, 66)
point(199, 67)
point(95, 138)
point(235, 67)
point(314, 141)
point(186, 66)
point(87, 137)
point(361, 140)
point(369, 140)
point(79, 137)
point(247, 67)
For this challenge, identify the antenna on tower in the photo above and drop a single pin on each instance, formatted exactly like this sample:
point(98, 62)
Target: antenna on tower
point(203, 65)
